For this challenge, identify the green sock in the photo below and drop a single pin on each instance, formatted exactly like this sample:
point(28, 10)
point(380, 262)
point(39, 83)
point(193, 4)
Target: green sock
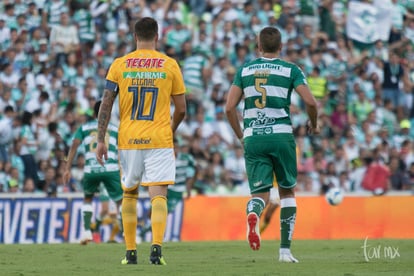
point(287, 221)
point(255, 205)
point(87, 212)
point(98, 222)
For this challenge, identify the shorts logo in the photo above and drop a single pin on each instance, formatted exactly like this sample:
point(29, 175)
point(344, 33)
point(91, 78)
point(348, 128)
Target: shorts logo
point(257, 184)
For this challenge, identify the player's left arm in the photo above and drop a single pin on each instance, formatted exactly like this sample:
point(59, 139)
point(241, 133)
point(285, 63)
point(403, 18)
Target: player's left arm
point(177, 96)
point(301, 87)
point(180, 108)
point(233, 99)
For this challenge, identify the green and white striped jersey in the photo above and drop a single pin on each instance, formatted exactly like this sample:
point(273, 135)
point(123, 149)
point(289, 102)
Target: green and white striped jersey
point(267, 85)
point(184, 169)
point(192, 71)
point(88, 134)
point(86, 25)
point(54, 10)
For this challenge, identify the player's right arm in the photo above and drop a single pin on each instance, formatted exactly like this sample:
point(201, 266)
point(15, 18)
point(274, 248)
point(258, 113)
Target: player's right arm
point(233, 99)
point(104, 116)
point(178, 97)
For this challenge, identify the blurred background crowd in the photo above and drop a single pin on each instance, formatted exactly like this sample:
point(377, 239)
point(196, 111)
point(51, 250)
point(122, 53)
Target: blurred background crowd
point(358, 57)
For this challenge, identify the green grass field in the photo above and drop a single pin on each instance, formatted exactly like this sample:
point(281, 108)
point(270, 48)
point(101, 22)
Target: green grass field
point(214, 258)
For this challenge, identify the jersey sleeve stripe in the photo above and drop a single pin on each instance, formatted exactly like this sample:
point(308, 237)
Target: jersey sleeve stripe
point(273, 91)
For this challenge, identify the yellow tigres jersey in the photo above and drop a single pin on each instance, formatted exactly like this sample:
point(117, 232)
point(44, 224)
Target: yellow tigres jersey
point(145, 81)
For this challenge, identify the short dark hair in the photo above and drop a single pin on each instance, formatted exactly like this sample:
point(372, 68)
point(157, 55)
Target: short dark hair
point(146, 29)
point(8, 109)
point(26, 118)
point(44, 95)
point(52, 127)
point(270, 39)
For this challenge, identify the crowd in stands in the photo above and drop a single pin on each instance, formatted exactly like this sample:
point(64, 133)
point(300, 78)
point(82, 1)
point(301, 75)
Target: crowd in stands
point(54, 55)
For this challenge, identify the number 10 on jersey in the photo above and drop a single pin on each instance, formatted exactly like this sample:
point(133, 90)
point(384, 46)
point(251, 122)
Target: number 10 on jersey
point(144, 101)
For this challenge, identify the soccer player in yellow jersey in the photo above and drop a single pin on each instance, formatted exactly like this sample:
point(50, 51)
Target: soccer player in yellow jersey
point(146, 81)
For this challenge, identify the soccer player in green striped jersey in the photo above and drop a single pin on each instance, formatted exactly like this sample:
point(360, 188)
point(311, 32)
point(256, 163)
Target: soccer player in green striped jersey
point(266, 85)
point(95, 173)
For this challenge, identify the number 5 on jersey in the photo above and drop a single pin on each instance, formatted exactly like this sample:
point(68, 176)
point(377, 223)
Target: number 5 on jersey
point(259, 88)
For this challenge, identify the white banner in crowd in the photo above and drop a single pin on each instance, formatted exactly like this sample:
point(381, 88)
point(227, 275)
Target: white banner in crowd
point(367, 23)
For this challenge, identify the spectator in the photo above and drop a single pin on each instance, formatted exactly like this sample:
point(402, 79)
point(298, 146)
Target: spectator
point(339, 117)
point(222, 128)
point(177, 36)
point(28, 147)
point(340, 160)
point(6, 133)
point(40, 103)
point(14, 183)
point(318, 85)
point(8, 76)
point(4, 33)
point(316, 161)
point(393, 74)
point(216, 173)
point(361, 107)
point(85, 24)
point(377, 177)
point(29, 186)
point(63, 38)
point(18, 94)
point(3, 177)
point(403, 134)
point(399, 179)
point(235, 169)
point(196, 72)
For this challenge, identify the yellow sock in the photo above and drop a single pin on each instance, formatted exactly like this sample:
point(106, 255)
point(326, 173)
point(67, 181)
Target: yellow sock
point(263, 227)
point(129, 220)
point(107, 220)
point(159, 214)
point(115, 230)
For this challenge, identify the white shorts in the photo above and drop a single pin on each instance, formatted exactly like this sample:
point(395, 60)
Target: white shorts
point(147, 167)
point(274, 196)
point(113, 209)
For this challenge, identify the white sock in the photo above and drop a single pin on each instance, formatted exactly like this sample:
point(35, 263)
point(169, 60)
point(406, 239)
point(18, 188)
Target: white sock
point(284, 251)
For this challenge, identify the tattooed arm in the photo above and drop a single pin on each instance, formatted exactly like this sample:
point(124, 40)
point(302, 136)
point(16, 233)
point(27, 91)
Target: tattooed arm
point(103, 121)
point(104, 114)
